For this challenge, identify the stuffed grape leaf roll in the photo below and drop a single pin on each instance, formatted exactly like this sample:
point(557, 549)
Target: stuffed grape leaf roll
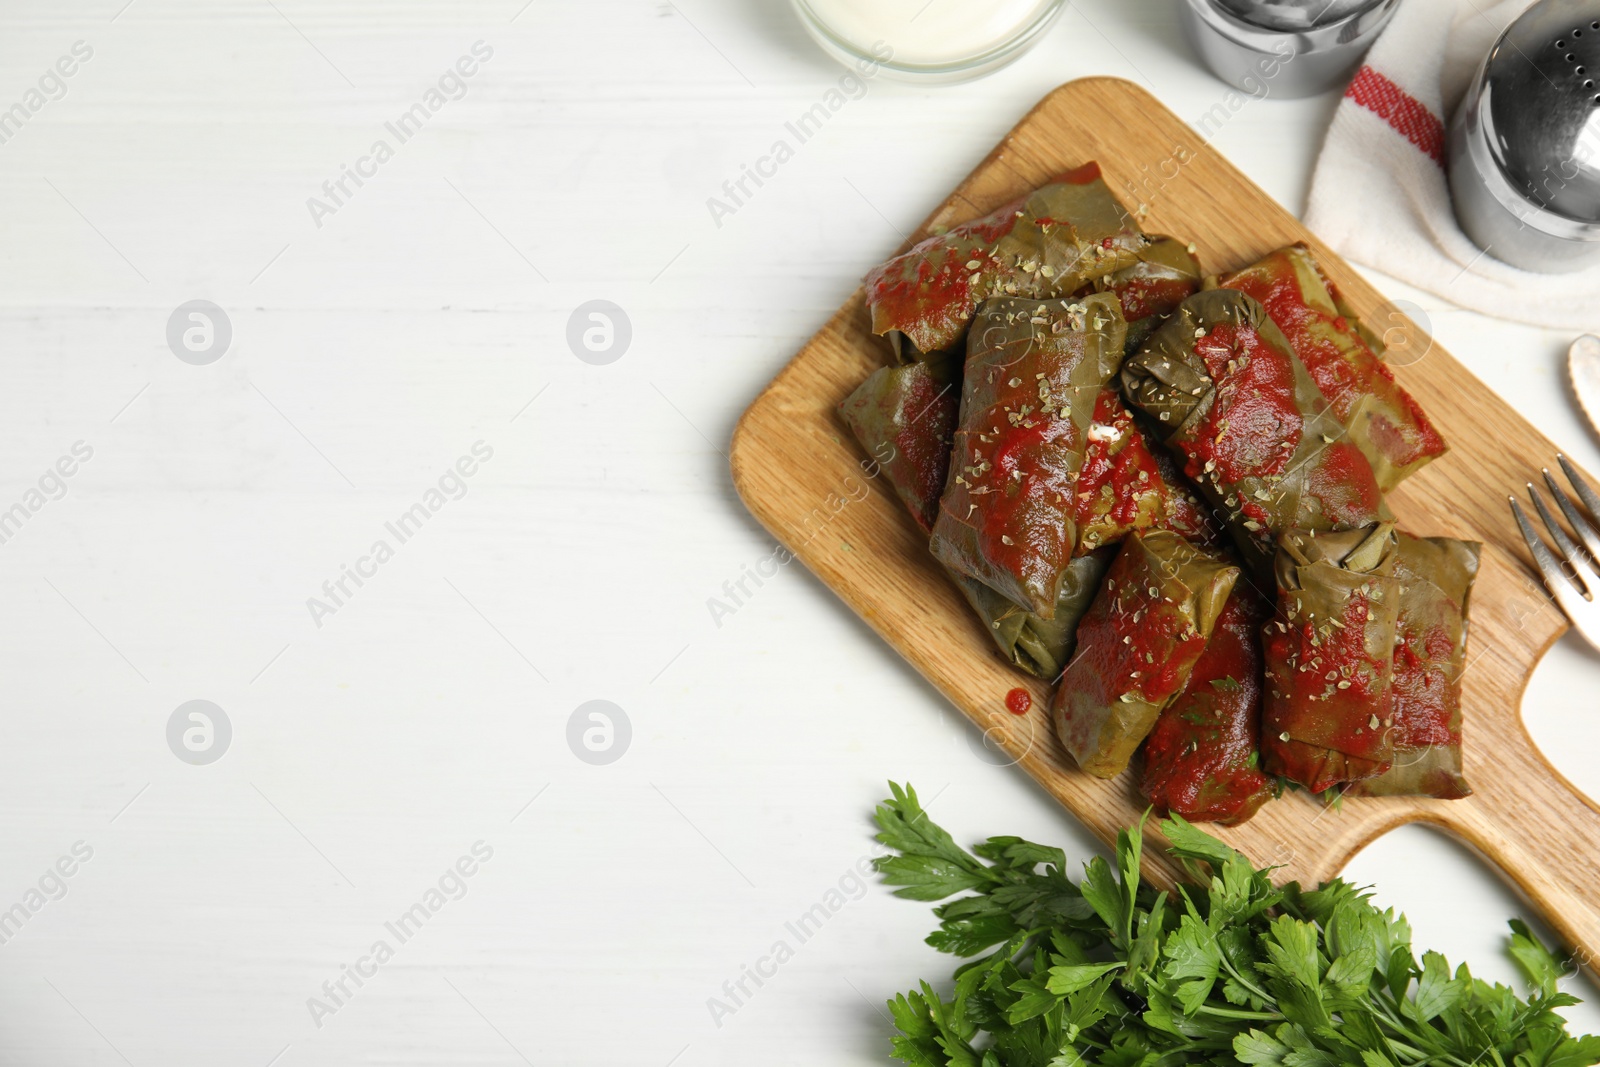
point(1040, 646)
point(1256, 435)
point(1436, 576)
point(905, 418)
point(1127, 485)
point(1328, 713)
point(1203, 759)
point(1384, 421)
point(1034, 373)
point(1165, 274)
point(1137, 645)
point(1050, 243)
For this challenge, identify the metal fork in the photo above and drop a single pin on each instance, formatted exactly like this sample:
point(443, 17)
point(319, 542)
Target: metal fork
point(1574, 579)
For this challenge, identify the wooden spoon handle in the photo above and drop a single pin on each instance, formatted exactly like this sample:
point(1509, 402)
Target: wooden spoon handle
point(1541, 832)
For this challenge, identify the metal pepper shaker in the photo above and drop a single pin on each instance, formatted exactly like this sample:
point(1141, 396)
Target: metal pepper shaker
point(1525, 143)
point(1285, 48)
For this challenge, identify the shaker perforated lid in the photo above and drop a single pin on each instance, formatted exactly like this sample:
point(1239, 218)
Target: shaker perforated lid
point(1542, 106)
point(1294, 15)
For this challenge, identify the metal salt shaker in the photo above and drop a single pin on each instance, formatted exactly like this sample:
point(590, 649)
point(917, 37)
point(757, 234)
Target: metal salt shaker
point(1525, 143)
point(1285, 48)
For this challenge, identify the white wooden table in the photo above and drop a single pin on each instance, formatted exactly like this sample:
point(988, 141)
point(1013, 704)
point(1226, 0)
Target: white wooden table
point(423, 713)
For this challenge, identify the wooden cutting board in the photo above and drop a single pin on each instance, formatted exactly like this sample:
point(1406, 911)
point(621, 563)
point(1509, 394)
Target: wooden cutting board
point(802, 475)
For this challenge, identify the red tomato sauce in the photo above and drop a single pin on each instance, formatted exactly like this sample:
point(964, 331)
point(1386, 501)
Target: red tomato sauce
point(1084, 175)
point(1143, 297)
point(1339, 359)
point(1255, 425)
point(1115, 463)
point(1201, 759)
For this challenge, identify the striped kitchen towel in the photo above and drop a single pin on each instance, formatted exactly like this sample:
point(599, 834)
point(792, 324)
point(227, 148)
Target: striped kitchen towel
point(1380, 193)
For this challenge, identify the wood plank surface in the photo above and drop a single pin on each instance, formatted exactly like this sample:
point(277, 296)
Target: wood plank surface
point(801, 474)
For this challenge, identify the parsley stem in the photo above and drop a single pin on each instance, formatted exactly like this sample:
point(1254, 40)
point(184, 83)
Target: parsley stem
point(1242, 980)
point(1235, 1013)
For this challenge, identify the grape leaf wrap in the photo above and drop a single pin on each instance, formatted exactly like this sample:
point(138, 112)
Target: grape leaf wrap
point(905, 418)
point(1040, 646)
point(1034, 373)
point(1137, 646)
point(1436, 576)
point(1202, 760)
point(1384, 421)
point(1050, 243)
point(1328, 713)
point(1222, 383)
point(1164, 275)
point(1126, 484)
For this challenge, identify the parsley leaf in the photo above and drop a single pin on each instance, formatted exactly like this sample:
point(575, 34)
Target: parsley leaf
point(1108, 972)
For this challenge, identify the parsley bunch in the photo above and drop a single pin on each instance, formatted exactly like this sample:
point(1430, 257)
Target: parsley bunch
point(1232, 969)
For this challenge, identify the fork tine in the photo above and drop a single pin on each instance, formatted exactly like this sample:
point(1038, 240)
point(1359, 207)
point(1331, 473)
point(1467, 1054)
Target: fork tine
point(1554, 579)
point(1585, 491)
point(1580, 525)
point(1571, 554)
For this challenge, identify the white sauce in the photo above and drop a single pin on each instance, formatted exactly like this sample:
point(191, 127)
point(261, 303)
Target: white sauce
point(927, 32)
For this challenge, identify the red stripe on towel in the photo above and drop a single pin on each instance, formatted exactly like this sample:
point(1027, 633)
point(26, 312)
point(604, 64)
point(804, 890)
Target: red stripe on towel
point(1400, 110)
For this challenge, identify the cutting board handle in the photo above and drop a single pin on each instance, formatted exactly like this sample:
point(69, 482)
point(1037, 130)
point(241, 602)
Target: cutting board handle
point(1541, 832)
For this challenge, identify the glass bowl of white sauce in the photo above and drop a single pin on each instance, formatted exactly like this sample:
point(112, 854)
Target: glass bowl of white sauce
point(929, 41)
